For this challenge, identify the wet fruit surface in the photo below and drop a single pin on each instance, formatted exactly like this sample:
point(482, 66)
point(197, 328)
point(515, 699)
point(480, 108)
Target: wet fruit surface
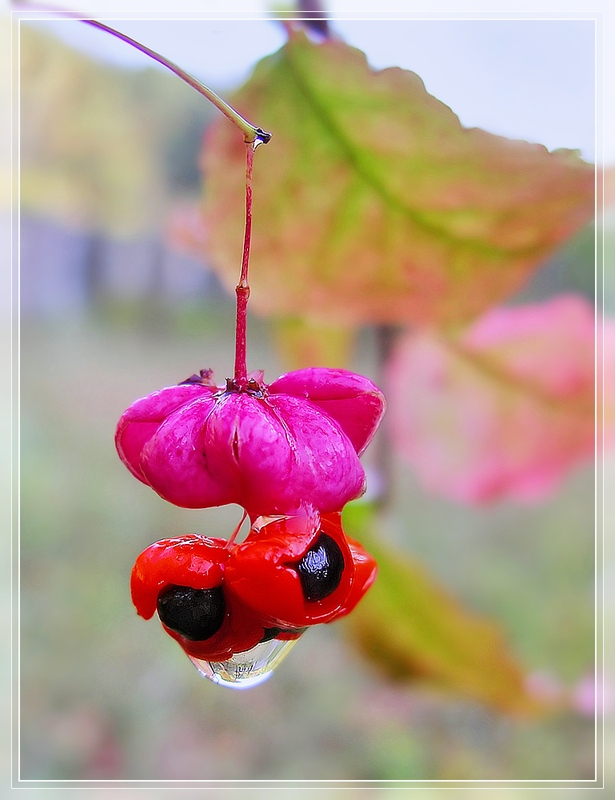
point(195, 614)
point(320, 569)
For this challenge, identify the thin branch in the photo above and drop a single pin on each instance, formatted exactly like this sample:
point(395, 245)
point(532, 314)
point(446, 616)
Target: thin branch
point(251, 132)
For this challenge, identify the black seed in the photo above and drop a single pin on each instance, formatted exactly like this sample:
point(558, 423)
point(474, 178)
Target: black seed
point(320, 569)
point(195, 614)
point(271, 633)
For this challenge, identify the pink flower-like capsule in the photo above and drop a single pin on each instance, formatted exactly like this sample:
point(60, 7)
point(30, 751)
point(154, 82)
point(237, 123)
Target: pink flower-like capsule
point(269, 448)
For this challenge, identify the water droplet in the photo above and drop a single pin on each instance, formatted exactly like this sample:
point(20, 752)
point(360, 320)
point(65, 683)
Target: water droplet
point(245, 670)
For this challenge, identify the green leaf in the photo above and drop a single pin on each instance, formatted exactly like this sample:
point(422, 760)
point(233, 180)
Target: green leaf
point(413, 629)
point(373, 203)
point(302, 342)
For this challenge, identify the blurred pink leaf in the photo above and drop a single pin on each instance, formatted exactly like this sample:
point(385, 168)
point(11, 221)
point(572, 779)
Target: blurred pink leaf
point(506, 409)
point(373, 203)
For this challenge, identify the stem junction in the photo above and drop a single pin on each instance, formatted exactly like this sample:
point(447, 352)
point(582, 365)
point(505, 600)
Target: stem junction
point(251, 132)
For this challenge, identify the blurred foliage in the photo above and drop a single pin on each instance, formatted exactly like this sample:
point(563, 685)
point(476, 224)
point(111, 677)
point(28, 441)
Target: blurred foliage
point(413, 629)
point(302, 341)
point(103, 148)
point(507, 408)
point(105, 695)
point(374, 203)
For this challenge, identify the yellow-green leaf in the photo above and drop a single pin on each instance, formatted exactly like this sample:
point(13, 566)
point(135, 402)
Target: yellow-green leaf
point(303, 342)
point(373, 203)
point(413, 629)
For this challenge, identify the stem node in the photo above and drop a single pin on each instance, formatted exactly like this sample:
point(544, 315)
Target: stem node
point(242, 290)
point(253, 138)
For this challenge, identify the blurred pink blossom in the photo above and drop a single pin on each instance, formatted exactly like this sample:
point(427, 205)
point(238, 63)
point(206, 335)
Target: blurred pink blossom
point(591, 696)
point(505, 409)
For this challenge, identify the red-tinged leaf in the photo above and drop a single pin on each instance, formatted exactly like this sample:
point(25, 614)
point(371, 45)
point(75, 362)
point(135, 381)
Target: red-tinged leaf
point(506, 409)
point(414, 630)
point(373, 203)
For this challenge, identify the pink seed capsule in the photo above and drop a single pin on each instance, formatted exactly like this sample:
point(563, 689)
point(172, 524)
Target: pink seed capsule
point(269, 448)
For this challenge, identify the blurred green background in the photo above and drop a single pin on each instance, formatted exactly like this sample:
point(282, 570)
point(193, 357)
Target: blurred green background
point(105, 695)
point(110, 313)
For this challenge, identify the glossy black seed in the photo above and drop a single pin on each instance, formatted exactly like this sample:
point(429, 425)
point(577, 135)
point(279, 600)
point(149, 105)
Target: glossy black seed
point(195, 614)
point(321, 568)
point(271, 633)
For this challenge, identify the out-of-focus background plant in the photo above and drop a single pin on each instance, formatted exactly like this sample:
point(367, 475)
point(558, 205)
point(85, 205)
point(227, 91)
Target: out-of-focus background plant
point(454, 267)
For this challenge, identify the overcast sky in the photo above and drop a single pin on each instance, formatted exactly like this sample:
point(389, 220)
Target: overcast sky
point(527, 79)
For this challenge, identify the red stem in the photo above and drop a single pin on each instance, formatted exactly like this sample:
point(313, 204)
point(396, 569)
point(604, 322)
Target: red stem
point(242, 290)
point(231, 541)
point(253, 137)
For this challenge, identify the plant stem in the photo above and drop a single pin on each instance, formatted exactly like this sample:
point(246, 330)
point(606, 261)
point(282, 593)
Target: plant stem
point(235, 533)
point(242, 290)
point(385, 339)
point(253, 137)
point(313, 17)
point(251, 132)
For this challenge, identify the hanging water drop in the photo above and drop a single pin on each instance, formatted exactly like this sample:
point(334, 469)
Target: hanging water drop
point(248, 669)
